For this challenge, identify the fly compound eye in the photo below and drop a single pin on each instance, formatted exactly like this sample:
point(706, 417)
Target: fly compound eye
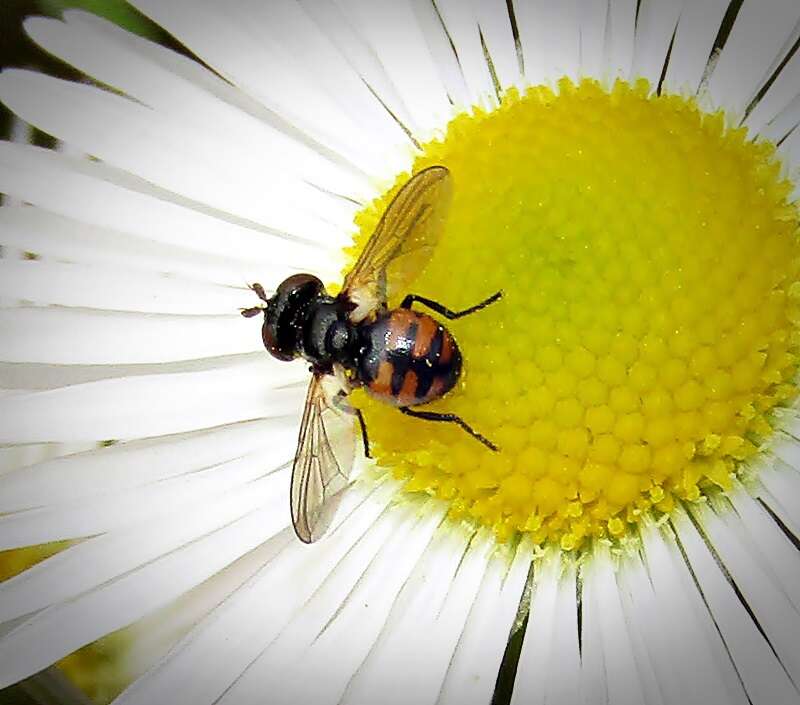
point(299, 285)
point(282, 331)
point(278, 348)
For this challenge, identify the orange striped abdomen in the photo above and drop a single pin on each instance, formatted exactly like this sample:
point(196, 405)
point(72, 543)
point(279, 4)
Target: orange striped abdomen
point(407, 358)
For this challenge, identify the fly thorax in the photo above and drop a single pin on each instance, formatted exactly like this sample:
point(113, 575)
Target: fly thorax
point(329, 336)
point(339, 338)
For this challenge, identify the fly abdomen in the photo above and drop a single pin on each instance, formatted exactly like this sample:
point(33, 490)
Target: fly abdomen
point(408, 358)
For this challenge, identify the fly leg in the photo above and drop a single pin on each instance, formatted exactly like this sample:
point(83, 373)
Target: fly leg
point(255, 286)
point(255, 310)
point(250, 312)
point(364, 436)
point(450, 418)
point(450, 314)
point(446, 312)
point(341, 403)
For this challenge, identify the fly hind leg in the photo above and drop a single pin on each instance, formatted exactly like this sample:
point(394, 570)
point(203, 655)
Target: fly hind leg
point(446, 312)
point(449, 418)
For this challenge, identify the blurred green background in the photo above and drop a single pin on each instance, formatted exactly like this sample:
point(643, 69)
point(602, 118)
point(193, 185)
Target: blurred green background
point(16, 49)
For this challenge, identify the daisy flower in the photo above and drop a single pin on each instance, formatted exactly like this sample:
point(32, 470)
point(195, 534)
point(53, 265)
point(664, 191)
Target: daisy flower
point(622, 170)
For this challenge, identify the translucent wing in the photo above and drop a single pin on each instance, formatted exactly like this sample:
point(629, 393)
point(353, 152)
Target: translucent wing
point(322, 463)
point(404, 239)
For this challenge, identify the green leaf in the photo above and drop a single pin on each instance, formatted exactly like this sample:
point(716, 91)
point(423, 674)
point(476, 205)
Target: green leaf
point(117, 11)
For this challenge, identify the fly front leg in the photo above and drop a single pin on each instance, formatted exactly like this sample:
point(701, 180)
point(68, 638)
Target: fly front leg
point(446, 312)
point(364, 436)
point(250, 312)
point(341, 402)
point(255, 286)
point(255, 310)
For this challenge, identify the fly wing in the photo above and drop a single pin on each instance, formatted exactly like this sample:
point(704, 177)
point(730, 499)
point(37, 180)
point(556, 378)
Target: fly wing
point(322, 463)
point(404, 239)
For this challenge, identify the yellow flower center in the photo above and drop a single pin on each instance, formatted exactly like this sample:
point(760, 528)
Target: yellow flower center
point(649, 262)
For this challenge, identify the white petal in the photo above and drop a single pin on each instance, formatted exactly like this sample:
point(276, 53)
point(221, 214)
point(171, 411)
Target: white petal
point(147, 405)
point(216, 170)
point(175, 85)
point(18, 377)
point(653, 649)
point(440, 41)
point(549, 664)
point(233, 42)
point(550, 38)
point(786, 447)
point(319, 61)
point(759, 587)
point(58, 520)
point(698, 26)
point(124, 466)
point(495, 26)
point(19, 132)
point(775, 551)
point(781, 491)
point(762, 675)
point(66, 240)
point(98, 560)
point(755, 41)
point(333, 633)
point(331, 19)
point(63, 628)
point(620, 34)
point(114, 289)
point(592, 16)
point(702, 664)
point(784, 90)
point(609, 666)
point(93, 193)
point(474, 84)
point(790, 152)
point(152, 638)
point(212, 657)
point(392, 30)
point(471, 678)
point(16, 457)
point(271, 72)
point(291, 581)
point(66, 336)
point(564, 685)
point(781, 126)
point(655, 26)
point(409, 661)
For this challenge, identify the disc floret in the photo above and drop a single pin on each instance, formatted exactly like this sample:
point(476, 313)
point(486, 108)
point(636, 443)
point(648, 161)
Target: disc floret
point(649, 261)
